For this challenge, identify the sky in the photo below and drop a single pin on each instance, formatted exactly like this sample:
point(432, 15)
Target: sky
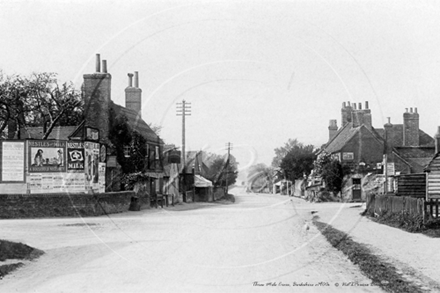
point(256, 73)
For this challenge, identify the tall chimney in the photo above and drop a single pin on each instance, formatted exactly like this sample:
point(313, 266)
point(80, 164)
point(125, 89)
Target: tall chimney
point(104, 66)
point(366, 104)
point(98, 63)
point(357, 118)
point(136, 79)
point(346, 113)
point(410, 128)
point(97, 97)
point(130, 79)
point(437, 140)
point(388, 135)
point(133, 95)
point(332, 129)
point(360, 106)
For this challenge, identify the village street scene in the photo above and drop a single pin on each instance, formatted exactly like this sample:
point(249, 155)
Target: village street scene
point(180, 146)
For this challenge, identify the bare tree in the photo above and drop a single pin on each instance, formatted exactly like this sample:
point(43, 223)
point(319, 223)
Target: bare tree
point(38, 100)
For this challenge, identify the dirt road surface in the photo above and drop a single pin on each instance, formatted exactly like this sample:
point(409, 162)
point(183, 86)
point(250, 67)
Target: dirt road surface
point(261, 243)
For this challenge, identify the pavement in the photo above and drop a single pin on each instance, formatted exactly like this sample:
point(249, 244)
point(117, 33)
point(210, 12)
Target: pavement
point(416, 256)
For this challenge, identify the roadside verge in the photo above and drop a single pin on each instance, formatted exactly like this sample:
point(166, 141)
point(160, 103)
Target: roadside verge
point(11, 253)
point(382, 274)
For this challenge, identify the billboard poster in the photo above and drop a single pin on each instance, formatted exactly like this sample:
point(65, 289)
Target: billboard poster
point(101, 177)
point(46, 156)
point(56, 182)
point(91, 161)
point(75, 156)
point(12, 161)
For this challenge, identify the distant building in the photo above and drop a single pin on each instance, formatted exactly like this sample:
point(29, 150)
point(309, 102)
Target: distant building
point(358, 144)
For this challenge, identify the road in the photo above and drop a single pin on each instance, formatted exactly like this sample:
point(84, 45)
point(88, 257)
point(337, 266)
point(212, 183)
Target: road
point(261, 243)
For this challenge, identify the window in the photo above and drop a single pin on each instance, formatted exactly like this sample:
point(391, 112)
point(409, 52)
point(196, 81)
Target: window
point(127, 150)
point(347, 156)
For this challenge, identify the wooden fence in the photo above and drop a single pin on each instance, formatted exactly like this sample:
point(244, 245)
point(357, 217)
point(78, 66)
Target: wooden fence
point(432, 208)
point(412, 185)
point(383, 204)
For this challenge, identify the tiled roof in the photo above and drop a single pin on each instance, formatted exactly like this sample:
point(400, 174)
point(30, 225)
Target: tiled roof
point(136, 123)
point(417, 157)
point(341, 138)
point(58, 132)
point(434, 164)
point(397, 136)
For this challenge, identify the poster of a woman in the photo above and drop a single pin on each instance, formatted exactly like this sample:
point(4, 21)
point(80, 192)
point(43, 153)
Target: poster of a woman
point(38, 159)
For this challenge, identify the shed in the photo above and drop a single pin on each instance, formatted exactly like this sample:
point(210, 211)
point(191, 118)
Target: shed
point(203, 189)
point(432, 171)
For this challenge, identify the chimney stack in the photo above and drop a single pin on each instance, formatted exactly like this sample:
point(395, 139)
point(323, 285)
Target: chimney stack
point(388, 135)
point(133, 95)
point(346, 113)
point(437, 140)
point(410, 128)
point(130, 79)
point(97, 97)
point(98, 63)
point(332, 129)
point(104, 66)
point(136, 79)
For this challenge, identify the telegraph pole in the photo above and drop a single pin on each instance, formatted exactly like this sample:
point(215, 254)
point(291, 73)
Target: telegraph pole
point(229, 146)
point(183, 109)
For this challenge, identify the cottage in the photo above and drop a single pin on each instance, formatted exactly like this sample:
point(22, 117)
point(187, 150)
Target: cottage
point(358, 144)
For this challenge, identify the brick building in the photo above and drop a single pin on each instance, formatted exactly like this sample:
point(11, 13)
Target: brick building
point(98, 104)
point(358, 144)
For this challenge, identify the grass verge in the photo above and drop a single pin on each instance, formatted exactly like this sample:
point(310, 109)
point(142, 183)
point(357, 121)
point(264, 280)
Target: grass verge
point(381, 273)
point(407, 222)
point(15, 251)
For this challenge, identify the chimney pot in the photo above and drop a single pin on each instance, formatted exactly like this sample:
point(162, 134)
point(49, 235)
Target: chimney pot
point(415, 110)
point(343, 105)
point(348, 103)
point(360, 106)
point(406, 110)
point(389, 120)
point(98, 63)
point(104, 66)
point(354, 106)
point(136, 79)
point(366, 104)
point(410, 110)
point(130, 79)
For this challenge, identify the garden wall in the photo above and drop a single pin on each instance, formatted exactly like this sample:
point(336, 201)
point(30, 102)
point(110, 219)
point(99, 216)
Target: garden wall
point(16, 206)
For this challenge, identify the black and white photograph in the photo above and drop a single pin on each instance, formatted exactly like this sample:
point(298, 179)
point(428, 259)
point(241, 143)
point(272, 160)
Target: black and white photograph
point(219, 146)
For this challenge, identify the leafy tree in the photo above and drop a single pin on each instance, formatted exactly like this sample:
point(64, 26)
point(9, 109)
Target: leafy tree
point(298, 160)
point(222, 170)
point(38, 100)
point(331, 171)
point(281, 152)
point(260, 176)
